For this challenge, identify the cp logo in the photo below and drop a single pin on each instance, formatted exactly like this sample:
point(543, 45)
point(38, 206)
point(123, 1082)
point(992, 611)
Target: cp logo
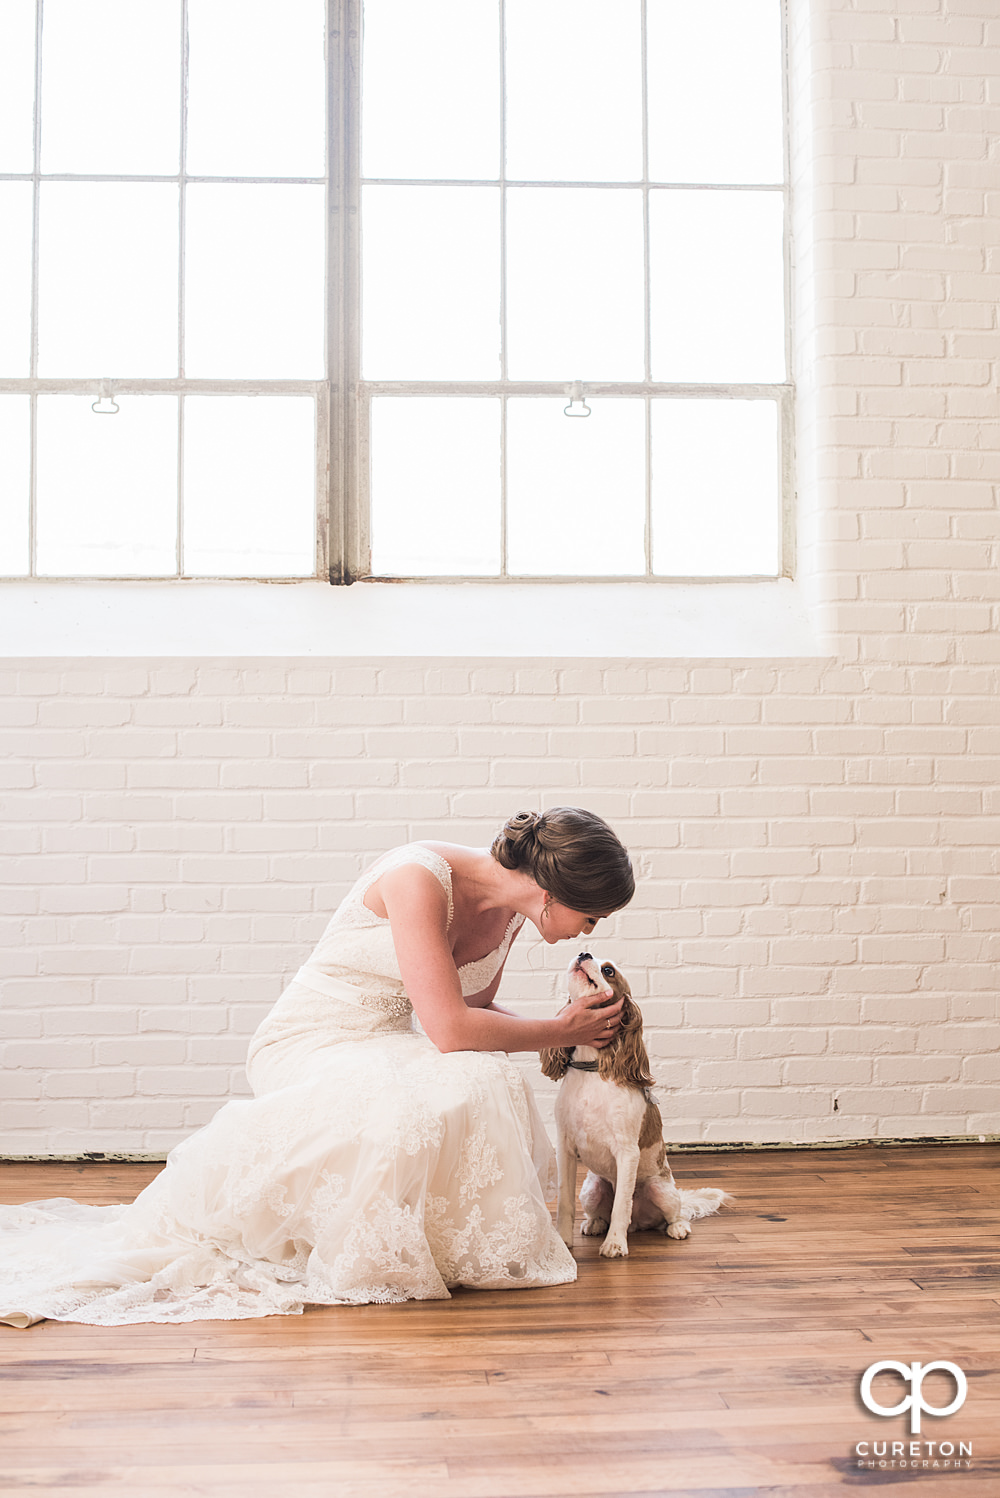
point(915, 1402)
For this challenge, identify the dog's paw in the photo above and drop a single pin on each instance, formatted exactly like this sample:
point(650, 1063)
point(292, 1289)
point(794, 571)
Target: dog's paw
point(614, 1247)
point(593, 1227)
point(679, 1229)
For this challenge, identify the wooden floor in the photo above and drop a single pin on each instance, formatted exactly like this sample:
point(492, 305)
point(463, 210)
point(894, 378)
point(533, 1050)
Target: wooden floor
point(726, 1366)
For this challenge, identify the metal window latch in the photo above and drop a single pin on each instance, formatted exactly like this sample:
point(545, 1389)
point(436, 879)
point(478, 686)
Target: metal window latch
point(105, 404)
point(577, 405)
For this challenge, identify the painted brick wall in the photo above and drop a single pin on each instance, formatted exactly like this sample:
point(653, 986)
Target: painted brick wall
point(813, 942)
point(816, 933)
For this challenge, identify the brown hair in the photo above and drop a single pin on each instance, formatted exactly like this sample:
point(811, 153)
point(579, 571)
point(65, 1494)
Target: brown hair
point(571, 854)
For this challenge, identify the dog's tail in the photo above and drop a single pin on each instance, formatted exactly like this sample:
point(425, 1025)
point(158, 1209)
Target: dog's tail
point(704, 1202)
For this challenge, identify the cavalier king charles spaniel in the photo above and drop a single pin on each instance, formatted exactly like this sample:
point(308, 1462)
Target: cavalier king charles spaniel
point(607, 1120)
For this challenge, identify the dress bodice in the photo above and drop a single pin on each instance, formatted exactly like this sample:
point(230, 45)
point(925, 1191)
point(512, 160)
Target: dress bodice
point(357, 945)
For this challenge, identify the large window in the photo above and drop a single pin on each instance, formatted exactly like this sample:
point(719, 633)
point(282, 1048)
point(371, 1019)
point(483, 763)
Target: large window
point(164, 203)
point(522, 316)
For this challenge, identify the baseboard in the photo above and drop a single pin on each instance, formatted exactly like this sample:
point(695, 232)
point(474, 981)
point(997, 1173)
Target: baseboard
point(750, 1147)
point(88, 1157)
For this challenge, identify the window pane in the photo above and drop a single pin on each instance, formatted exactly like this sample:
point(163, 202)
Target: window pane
point(435, 466)
point(431, 280)
point(717, 286)
point(106, 487)
point(574, 91)
point(427, 67)
point(15, 278)
point(576, 488)
point(111, 86)
point(249, 486)
point(715, 110)
point(17, 85)
point(574, 284)
point(256, 88)
point(108, 279)
point(716, 488)
point(15, 484)
point(255, 301)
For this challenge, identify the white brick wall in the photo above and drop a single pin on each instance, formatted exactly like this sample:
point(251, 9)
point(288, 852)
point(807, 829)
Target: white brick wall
point(816, 931)
point(813, 939)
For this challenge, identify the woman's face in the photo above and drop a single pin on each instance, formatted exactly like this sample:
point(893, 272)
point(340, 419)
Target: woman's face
point(560, 923)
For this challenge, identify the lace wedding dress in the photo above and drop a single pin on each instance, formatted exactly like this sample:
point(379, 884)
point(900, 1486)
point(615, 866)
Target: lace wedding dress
point(367, 1167)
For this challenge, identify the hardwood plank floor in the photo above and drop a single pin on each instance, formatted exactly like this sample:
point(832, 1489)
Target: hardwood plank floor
point(726, 1366)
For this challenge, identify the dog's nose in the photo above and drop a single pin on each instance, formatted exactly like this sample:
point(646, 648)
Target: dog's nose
point(584, 957)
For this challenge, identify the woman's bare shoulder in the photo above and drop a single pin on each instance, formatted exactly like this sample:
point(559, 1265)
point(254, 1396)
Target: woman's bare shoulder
point(461, 859)
point(414, 883)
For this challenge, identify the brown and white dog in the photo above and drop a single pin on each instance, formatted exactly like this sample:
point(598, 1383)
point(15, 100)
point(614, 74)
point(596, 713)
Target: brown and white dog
point(607, 1120)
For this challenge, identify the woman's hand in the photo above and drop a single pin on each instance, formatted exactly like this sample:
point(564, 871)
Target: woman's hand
point(593, 1019)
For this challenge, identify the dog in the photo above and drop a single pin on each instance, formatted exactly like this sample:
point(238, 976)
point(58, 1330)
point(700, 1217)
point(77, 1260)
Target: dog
point(606, 1118)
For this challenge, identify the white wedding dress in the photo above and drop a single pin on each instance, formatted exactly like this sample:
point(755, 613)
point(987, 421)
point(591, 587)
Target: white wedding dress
point(367, 1167)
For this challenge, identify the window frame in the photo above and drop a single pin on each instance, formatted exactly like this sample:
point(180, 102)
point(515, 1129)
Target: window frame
point(349, 526)
point(96, 387)
point(342, 400)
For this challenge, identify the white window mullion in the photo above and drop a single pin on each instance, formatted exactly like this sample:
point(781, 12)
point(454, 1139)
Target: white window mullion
point(503, 285)
point(348, 491)
point(647, 337)
point(33, 367)
point(182, 278)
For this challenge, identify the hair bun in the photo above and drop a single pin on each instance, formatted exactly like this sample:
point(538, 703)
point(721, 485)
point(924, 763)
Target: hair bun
point(570, 853)
point(518, 839)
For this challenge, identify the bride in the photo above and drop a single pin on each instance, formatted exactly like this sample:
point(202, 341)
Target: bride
point(376, 1161)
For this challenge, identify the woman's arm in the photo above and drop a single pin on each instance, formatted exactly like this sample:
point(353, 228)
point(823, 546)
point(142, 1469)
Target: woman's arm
point(418, 918)
point(487, 1000)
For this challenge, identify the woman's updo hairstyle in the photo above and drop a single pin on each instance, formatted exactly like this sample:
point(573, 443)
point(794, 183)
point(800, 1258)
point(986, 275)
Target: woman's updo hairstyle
point(570, 853)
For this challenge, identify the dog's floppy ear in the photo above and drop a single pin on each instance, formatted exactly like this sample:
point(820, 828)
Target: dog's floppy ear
point(625, 1060)
point(555, 1063)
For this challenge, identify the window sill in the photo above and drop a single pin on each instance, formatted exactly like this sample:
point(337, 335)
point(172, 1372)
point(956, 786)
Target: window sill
point(619, 619)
